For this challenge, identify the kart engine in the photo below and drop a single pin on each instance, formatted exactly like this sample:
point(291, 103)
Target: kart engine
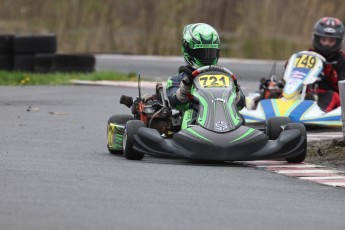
point(155, 112)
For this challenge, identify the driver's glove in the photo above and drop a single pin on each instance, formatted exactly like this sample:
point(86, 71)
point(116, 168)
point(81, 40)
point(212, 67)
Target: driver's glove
point(185, 88)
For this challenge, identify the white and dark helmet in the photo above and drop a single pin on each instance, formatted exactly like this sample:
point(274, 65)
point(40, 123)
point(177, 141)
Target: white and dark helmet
point(328, 27)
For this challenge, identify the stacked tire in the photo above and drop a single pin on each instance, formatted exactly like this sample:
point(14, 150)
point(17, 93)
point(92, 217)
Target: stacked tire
point(27, 48)
point(37, 53)
point(6, 52)
point(84, 63)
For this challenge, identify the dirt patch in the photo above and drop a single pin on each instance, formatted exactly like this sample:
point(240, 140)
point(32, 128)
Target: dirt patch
point(330, 153)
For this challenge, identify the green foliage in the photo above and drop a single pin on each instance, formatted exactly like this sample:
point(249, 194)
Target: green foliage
point(24, 78)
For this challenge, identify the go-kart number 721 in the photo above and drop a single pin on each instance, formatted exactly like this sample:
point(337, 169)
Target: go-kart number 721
point(207, 81)
point(305, 61)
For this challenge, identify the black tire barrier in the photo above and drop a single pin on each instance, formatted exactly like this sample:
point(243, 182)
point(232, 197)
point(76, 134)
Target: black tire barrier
point(24, 63)
point(6, 44)
point(43, 63)
point(35, 44)
point(36, 53)
point(73, 63)
point(6, 62)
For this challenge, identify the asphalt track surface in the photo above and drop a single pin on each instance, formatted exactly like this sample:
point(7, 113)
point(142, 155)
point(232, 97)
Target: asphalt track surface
point(248, 72)
point(56, 173)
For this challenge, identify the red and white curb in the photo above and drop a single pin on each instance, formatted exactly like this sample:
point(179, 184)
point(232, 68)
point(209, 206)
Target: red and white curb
point(303, 171)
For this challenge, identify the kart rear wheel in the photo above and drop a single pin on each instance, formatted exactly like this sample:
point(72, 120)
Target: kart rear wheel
point(119, 120)
point(128, 140)
point(300, 158)
point(274, 126)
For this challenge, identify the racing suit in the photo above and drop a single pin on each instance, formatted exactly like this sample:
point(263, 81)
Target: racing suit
point(327, 88)
point(190, 108)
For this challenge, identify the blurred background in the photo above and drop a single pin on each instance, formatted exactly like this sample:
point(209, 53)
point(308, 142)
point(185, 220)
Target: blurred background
point(254, 29)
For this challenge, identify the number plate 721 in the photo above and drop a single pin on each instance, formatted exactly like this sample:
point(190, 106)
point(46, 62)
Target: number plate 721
point(214, 81)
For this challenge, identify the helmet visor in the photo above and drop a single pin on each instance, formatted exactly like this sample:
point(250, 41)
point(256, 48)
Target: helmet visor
point(205, 53)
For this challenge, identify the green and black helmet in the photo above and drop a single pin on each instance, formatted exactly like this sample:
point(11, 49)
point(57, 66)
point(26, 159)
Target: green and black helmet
point(200, 45)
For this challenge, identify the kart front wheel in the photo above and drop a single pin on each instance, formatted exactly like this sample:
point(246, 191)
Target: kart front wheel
point(115, 128)
point(131, 130)
point(303, 149)
point(274, 126)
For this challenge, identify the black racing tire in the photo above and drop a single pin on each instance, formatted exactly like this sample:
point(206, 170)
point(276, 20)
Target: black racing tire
point(43, 62)
point(274, 126)
point(32, 44)
point(128, 140)
point(300, 158)
point(6, 44)
point(6, 62)
point(24, 63)
point(120, 119)
point(84, 63)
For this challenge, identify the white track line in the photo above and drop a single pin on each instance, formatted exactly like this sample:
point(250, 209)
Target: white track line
point(335, 184)
point(301, 171)
point(322, 178)
point(291, 166)
point(305, 171)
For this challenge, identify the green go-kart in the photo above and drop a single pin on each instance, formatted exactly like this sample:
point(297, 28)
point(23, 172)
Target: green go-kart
point(218, 132)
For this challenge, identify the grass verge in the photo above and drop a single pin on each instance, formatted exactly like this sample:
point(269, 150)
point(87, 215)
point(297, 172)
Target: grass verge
point(24, 78)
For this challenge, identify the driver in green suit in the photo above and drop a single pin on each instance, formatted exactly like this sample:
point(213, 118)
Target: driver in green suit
point(200, 47)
